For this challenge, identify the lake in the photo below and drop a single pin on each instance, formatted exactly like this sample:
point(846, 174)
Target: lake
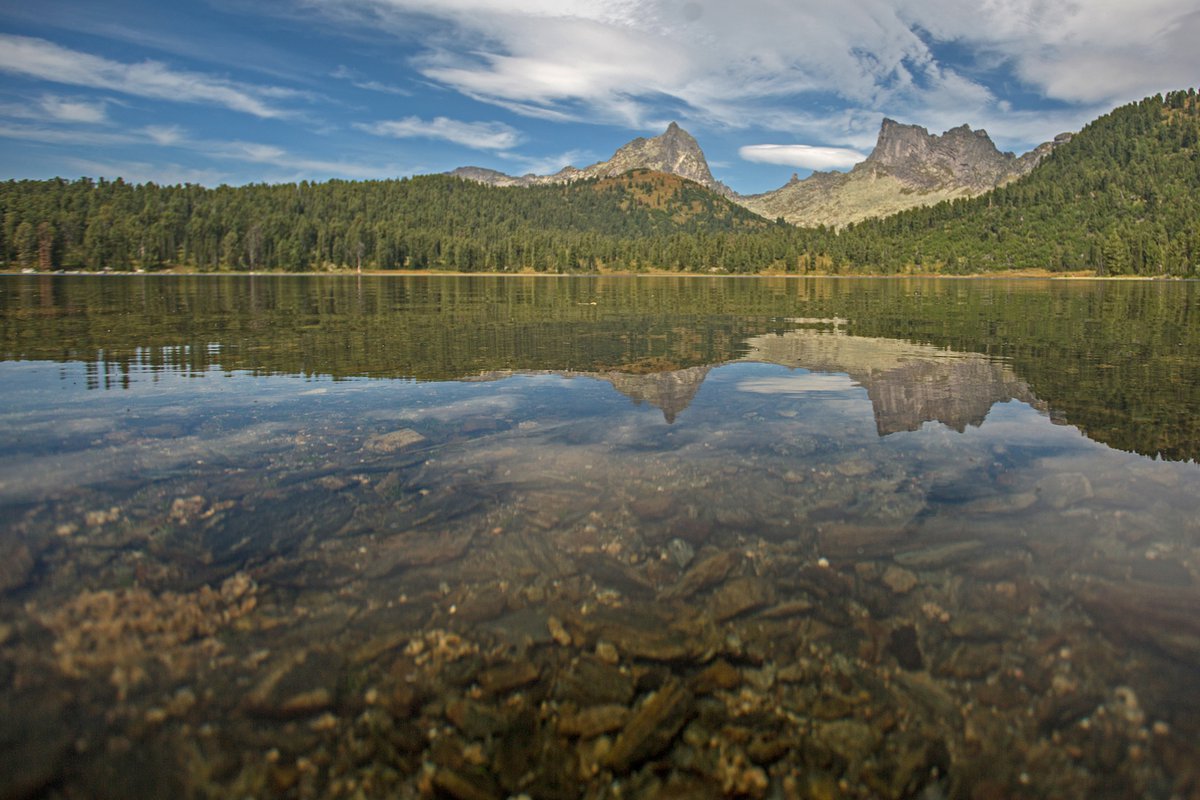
point(486, 537)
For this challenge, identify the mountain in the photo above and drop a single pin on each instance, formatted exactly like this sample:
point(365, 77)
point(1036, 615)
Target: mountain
point(909, 167)
point(675, 152)
point(1120, 197)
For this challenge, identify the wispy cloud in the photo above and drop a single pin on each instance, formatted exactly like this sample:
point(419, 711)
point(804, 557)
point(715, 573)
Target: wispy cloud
point(65, 109)
point(746, 64)
point(801, 155)
point(282, 163)
point(44, 60)
point(548, 165)
point(141, 172)
point(42, 134)
point(356, 79)
point(476, 135)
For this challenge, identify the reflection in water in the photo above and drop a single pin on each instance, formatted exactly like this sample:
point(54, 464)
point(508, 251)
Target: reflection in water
point(251, 571)
point(908, 384)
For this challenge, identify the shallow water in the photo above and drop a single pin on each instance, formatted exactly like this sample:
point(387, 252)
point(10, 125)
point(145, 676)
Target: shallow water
point(599, 537)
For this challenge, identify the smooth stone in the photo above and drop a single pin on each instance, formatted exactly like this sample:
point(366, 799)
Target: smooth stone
point(652, 728)
point(506, 677)
point(854, 540)
point(852, 739)
point(476, 720)
point(393, 441)
point(591, 682)
point(418, 549)
point(898, 579)
point(299, 687)
point(739, 596)
point(591, 722)
point(972, 661)
point(707, 571)
point(938, 555)
point(16, 565)
point(1065, 489)
point(466, 786)
point(1163, 617)
point(718, 675)
point(680, 552)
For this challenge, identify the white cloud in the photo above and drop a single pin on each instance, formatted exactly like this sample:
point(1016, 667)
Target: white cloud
point(142, 172)
point(344, 73)
point(476, 135)
point(300, 167)
point(38, 58)
point(803, 383)
point(165, 135)
point(65, 109)
point(548, 165)
point(802, 155)
point(41, 134)
point(748, 63)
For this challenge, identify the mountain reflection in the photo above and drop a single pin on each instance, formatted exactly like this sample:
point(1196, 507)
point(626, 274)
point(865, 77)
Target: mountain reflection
point(1120, 361)
point(908, 384)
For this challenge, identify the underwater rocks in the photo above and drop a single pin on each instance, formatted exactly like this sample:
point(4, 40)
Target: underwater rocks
point(392, 441)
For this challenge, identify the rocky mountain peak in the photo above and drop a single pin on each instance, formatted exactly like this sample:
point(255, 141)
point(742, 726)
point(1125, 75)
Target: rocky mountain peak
point(908, 167)
point(673, 151)
point(960, 157)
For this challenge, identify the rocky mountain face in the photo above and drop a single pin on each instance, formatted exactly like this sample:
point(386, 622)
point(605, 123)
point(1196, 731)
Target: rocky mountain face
point(909, 167)
point(675, 151)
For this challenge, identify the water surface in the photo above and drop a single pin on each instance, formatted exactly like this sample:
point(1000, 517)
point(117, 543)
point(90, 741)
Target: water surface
point(599, 537)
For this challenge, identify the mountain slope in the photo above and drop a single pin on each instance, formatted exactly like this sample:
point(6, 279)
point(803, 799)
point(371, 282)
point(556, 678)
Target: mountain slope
point(909, 167)
point(432, 221)
point(1121, 197)
point(675, 152)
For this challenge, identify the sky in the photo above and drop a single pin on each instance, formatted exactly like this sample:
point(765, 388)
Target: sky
point(246, 91)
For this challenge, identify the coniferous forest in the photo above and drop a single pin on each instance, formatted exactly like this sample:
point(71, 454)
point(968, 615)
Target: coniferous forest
point(1122, 197)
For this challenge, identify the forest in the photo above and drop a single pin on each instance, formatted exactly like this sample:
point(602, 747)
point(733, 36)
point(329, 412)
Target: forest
point(1121, 198)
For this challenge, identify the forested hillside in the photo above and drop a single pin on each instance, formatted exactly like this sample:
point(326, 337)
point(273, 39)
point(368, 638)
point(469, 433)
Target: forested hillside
point(1123, 197)
point(432, 221)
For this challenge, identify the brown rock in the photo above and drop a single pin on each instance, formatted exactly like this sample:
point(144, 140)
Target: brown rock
point(898, 579)
point(418, 549)
point(591, 722)
point(590, 682)
point(466, 786)
point(851, 540)
point(707, 571)
point(652, 728)
point(718, 675)
point(391, 442)
point(298, 687)
point(16, 565)
point(739, 596)
point(507, 677)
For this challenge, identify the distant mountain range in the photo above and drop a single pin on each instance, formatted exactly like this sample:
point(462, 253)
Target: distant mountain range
point(675, 152)
point(1121, 197)
point(909, 167)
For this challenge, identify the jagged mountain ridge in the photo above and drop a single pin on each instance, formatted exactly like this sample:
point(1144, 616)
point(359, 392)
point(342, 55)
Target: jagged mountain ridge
point(908, 167)
point(675, 151)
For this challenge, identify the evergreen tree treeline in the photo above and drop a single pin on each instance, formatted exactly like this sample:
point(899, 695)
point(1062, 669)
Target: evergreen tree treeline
point(1123, 197)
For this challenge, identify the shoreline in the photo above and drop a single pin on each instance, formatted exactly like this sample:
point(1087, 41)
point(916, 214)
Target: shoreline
point(408, 273)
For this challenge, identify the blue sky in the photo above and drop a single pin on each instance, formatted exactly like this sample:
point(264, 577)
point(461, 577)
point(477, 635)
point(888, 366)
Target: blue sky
point(238, 91)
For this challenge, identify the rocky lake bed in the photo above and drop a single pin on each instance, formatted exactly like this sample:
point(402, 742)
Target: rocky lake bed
point(773, 585)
